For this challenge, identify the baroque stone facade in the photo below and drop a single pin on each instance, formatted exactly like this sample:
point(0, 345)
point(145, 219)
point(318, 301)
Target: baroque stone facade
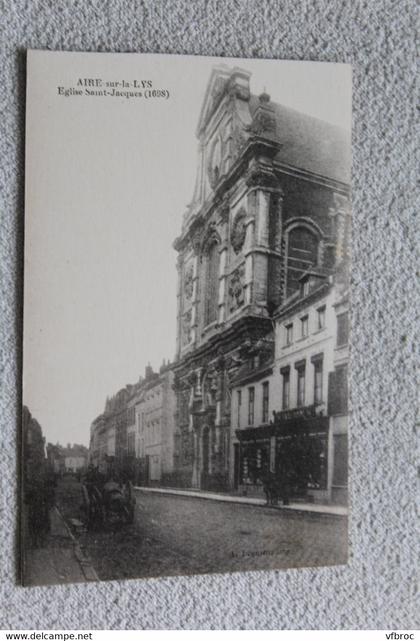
point(270, 186)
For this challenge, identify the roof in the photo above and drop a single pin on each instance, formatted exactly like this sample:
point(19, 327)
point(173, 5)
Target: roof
point(309, 143)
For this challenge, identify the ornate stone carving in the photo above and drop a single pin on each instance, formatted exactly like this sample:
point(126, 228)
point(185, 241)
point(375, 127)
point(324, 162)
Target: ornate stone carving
point(236, 289)
point(186, 328)
point(238, 231)
point(188, 282)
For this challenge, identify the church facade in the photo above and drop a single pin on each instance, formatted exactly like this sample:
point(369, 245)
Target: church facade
point(272, 185)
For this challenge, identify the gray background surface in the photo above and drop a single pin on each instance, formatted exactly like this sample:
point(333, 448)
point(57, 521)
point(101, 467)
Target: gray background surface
point(376, 589)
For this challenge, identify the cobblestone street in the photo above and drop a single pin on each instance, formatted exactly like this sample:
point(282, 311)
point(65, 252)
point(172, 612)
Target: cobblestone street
point(181, 535)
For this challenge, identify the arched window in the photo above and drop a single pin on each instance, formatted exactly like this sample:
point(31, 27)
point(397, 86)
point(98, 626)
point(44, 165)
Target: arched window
point(302, 253)
point(212, 284)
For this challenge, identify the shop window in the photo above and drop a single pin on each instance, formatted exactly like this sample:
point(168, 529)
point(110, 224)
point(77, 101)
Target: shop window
point(238, 417)
point(338, 391)
point(131, 444)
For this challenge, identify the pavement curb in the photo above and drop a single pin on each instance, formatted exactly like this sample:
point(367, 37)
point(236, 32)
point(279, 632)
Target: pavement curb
point(313, 509)
point(83, 561)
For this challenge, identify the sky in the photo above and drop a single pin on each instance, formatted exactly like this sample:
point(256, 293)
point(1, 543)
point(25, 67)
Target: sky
point(107, 183)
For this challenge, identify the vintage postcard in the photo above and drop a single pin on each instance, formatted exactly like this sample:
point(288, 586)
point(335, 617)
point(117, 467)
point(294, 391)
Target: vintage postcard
point(186, 316)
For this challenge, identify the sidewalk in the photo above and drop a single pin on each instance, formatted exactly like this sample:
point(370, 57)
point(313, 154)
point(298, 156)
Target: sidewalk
point(335, 510)
point(59, 560)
